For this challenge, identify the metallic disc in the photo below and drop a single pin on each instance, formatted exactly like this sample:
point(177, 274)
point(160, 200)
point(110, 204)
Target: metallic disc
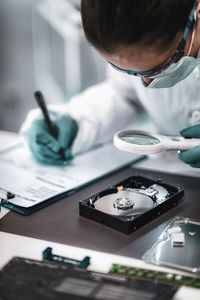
point(124, 203)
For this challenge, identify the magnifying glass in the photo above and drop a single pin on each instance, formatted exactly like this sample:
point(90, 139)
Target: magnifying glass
point(143, 142)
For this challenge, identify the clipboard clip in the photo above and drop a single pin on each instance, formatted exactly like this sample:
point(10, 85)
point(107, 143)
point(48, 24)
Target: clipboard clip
point(9, 195)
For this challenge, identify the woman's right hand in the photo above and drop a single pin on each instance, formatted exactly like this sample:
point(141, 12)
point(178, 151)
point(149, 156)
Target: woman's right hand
point(44, 146)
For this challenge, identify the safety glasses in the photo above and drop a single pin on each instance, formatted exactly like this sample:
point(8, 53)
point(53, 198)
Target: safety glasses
point(174, 62)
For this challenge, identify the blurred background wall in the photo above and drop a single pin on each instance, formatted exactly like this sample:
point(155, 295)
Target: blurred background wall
point(42, 47)
point(16, 62)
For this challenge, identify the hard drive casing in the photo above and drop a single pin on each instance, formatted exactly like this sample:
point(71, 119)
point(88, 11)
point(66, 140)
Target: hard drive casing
point(130, 224)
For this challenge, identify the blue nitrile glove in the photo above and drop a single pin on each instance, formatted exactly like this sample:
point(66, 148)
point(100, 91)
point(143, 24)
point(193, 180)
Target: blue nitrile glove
point(192, 156)
point(45, 147)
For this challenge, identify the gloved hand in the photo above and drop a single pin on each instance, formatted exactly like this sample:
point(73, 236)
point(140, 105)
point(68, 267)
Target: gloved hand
point(45, 147)
point(192, 156)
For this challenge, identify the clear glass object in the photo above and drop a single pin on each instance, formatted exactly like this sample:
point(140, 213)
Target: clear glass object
point(140, 139)
point(186, 256)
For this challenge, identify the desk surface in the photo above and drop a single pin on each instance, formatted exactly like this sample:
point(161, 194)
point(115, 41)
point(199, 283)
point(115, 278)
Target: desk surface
point(61, 223)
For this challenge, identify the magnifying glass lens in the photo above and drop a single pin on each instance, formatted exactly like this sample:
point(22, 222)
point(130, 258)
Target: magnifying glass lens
point(139, 139)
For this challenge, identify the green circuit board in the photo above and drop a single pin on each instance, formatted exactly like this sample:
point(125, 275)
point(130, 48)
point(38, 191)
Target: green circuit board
point(161, 277)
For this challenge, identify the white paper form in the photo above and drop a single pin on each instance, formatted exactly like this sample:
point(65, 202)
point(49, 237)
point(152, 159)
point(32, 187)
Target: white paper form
point(33, 183)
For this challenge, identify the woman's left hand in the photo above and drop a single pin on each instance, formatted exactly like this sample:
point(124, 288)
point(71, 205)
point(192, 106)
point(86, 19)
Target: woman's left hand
point(192, 156)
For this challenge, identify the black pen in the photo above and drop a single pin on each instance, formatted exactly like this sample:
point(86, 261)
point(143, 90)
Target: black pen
point(41, 103)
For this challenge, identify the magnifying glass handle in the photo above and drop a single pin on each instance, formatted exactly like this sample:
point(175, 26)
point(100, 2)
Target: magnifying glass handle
point(181, 143)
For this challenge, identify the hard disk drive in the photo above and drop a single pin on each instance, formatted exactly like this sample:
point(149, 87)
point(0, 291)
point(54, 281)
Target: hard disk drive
point(131, 203)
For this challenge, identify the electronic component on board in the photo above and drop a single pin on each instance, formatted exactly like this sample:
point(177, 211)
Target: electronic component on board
point(131, 203)
point(47, 255)
point(169, 278)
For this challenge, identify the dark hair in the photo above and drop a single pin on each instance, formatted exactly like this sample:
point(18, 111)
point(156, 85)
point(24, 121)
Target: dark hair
point(111, 23)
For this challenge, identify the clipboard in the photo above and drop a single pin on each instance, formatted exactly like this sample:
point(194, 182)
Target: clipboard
point(35, 185)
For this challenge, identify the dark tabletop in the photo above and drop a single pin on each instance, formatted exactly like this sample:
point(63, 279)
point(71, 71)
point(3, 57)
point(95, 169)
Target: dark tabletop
point(60, 222)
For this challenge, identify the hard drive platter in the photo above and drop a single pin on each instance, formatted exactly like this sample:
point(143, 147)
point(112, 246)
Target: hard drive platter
point(124, 203)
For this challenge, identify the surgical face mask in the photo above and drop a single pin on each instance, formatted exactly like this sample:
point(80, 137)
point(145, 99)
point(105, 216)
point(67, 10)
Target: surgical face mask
point(186, 66)
point(177, 71)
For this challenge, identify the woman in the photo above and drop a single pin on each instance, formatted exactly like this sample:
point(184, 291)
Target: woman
point(152, 50)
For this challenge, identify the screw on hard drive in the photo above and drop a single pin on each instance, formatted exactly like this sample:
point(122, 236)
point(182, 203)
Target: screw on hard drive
point(159, 180)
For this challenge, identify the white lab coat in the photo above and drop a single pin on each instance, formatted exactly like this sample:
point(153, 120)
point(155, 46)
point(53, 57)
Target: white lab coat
point(103, 109)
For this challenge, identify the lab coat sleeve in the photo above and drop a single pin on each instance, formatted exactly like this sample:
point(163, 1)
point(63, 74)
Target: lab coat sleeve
point(100, 111)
